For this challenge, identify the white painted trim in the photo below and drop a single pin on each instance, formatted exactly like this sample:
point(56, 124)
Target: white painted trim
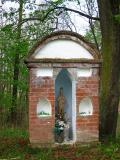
point(74, 109)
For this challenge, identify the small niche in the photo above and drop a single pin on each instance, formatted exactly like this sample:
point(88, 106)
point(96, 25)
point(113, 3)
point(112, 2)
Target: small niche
point(44, 108)
point(85, 107)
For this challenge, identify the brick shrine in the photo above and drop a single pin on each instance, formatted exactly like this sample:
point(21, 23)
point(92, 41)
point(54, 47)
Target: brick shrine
point(63, 59)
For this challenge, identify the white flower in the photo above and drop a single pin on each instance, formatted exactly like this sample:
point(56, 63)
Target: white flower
point(61, 123)
point(67, 126)
point(61, 128)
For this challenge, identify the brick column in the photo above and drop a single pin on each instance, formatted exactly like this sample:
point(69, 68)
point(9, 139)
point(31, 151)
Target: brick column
point(40, 128)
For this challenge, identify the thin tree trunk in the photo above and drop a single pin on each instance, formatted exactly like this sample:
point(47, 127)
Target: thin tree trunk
point(16, 67)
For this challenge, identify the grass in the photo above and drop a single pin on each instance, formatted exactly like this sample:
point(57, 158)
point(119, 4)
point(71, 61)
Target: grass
point(14, 145)
point(12, 133)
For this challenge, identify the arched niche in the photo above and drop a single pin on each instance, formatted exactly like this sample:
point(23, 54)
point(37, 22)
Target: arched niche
point(63, 80)
point(85, 107)
point(44, 108)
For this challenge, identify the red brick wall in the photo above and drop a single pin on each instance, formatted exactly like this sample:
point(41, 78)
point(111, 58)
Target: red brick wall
point(40, 128)
point(88, 126)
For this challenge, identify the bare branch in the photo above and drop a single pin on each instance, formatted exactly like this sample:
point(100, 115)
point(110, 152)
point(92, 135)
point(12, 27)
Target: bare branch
point(62, 8)
point(78, 12)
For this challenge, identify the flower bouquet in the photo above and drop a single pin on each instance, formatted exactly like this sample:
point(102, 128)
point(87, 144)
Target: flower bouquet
point(59, 130)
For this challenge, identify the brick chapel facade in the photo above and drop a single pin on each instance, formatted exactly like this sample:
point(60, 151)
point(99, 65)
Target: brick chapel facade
point(63, 59)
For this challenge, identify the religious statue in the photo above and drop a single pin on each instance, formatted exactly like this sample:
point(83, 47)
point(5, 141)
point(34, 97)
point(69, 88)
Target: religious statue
point(61, 103)
point(62, 124)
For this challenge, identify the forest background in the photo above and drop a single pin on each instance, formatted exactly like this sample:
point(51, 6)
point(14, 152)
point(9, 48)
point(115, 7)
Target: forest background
point(26, 21)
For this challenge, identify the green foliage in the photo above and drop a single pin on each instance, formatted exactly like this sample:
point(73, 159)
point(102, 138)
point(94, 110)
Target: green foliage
point(89, 34)
point(13, 133)
point(5, 100)
point(117, 18)
point(111, 150)
point(15, 144)
point(17, 40)
point(12, 143)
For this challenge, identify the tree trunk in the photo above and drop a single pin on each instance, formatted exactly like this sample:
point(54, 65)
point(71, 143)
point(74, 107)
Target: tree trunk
point(111, 67)
point(16, 67)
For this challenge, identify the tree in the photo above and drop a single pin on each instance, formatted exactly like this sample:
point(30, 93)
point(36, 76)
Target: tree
point(16, 64)
point(13, 47)
point(110, 28)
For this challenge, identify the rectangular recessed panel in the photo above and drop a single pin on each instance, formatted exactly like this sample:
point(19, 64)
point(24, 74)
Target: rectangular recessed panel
point(84, 72)
point(44, 72)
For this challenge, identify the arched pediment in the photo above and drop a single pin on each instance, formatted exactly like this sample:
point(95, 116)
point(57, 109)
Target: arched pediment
point(63, 49)
point(63, 45)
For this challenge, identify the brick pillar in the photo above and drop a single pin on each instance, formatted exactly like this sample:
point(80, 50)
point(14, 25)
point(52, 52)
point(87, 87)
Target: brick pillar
point(40, 128)
point(88, 126)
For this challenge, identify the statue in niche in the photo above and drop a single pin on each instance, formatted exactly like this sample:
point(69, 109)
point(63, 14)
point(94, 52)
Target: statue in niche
point(62, 123)
point(61, 103)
